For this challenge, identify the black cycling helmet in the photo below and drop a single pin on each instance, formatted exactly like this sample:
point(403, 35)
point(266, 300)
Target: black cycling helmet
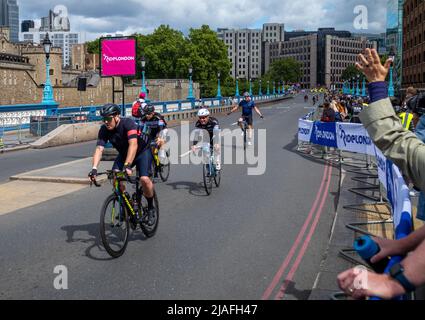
point(110, 109)
point(149, 108)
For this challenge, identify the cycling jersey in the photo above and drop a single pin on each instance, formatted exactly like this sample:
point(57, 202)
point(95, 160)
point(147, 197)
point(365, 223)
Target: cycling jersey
point(153, 126)
point(119, 137)
point(210, 126)
point(247, 107)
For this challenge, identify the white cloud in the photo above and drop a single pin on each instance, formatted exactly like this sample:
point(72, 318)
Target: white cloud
point(109, 16)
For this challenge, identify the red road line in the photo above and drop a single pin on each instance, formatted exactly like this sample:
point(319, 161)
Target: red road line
point(291, 253)
point(281, 293)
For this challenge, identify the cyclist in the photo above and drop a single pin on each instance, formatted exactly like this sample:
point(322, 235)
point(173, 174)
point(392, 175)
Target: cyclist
point(154, 125)
point(247, 106)
point(138, 106)
point(210, 124)
point(133, 150)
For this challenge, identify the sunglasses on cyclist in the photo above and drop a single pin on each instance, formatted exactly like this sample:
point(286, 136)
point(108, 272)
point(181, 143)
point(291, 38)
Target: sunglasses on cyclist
point(203, 118)
point(107, 119)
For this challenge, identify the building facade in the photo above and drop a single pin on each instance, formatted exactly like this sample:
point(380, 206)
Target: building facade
point(246, 48)
point(414, 44)
point(322, 63)
point(62, 39)
point(26, 25)
point(304, 50)
point(9, 17)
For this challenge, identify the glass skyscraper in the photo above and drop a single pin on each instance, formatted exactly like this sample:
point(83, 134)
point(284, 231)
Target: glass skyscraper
point(9, 17)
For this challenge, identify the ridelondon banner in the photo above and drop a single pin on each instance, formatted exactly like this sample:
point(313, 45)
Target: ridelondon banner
point(353, 137)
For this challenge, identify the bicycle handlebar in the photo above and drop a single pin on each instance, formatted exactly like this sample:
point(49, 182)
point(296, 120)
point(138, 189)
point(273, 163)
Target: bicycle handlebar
point(120, 176)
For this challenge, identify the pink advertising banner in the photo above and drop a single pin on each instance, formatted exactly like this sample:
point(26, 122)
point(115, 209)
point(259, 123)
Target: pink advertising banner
point(118, 57)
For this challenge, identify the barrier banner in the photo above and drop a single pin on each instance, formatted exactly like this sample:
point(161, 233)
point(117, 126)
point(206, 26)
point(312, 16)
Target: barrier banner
point(304, 130)
point(354, 138)
point(381, 162)
point(324, 133)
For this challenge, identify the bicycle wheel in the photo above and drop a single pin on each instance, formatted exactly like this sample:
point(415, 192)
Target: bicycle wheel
point(244, 139)
point(149, 230)
point(217, 178)
point(114, 226)
point(207, 178)
point(164, 169)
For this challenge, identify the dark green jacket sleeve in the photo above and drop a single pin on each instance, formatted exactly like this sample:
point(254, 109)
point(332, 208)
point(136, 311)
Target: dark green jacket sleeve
point(398, 145)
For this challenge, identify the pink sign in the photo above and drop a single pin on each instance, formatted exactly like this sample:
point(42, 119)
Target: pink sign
point(118, 57)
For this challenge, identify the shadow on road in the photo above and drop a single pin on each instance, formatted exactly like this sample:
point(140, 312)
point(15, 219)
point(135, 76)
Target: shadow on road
point(293, 291)
point(195, 188)
point(89, 234)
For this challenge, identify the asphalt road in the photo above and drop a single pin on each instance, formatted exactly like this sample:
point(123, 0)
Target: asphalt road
point(255, 237)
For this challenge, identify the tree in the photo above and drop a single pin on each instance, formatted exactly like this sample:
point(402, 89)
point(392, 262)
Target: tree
point(287, 69)
point(350, 72)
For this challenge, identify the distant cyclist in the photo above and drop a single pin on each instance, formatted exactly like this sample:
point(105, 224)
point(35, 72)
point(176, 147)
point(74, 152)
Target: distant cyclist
point(210, 124)
point(247, 106)
point(154, 125)
point(133, 150)
point(138, 106)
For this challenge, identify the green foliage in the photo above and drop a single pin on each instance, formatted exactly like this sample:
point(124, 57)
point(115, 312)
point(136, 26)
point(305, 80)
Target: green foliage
point(350, 72)
point(168, 54)
point(287, 69)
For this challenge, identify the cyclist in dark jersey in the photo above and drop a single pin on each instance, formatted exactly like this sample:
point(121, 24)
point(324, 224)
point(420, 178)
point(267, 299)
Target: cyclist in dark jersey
point(133, 150)
point(210, 124)
point(247, 106)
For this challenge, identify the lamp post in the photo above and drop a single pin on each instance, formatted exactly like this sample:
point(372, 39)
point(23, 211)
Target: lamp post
point(353, 90)
point(283, 87)
point(274, 88)
point(190, 95)
point(218, 87)
point(250, 86)
point(391, 84)
point(237, 87)
point(48, 89)
point(357, 88)
point(259, 89)
point(278, 87)
point(268, 87)
point(364, 87)
point(143, 63)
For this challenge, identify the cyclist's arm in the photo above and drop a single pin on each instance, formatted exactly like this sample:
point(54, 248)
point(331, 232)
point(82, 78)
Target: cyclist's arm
point(234, 109)
point(258, 111)
point(97, 156)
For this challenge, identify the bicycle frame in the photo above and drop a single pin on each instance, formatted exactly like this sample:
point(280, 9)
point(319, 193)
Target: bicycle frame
point(121, 195)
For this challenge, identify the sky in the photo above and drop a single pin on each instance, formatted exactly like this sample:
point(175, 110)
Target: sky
point(143, 16)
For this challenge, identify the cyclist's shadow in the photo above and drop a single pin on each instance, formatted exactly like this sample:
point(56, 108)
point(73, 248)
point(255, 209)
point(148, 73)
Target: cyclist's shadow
point(195, 188)
point(95, 250)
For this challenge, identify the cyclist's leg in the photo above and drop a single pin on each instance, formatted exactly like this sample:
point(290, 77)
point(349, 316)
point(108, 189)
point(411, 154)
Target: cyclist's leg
point(250, 121)
point(240, 122)
point(143, 165)
point(117, 167)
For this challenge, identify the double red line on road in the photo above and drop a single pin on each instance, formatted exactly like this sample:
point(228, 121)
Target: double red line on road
point(320, 197)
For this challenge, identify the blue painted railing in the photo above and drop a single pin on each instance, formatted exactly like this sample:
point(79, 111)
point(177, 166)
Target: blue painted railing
point(14, 117)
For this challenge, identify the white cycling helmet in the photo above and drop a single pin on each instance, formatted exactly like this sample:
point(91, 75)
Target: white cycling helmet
point(203, 113)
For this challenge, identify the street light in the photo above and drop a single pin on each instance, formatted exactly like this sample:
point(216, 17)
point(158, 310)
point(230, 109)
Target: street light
point(218, 87)
point(357, 88)
point(259, 90)
point(237, 87)
point(250, 86)
point(143, 63)
point(47, 90)
point(190, 95)
point(268, 87)
point(391, 84)
point(364, 87)
point(353, 89)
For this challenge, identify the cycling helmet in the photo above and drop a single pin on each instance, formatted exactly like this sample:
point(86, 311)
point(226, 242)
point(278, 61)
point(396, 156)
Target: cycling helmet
point(203, 113)
point(110, 109)
point(246, 94)
point(142, 95)
point(148, 108)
